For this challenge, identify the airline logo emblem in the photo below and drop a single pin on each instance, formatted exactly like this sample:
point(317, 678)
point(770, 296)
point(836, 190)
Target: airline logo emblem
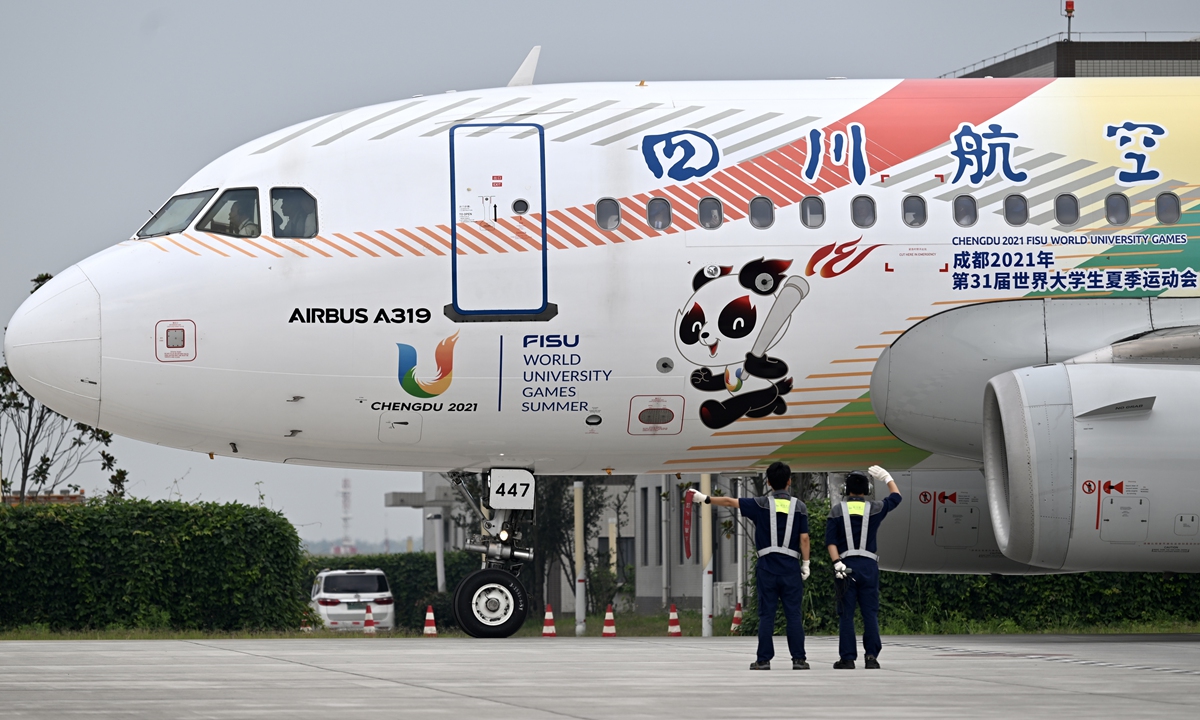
point(680, 155)
point(443, 356)
point(833, 260)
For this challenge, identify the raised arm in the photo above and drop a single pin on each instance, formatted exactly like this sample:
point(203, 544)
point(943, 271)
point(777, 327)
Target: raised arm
point(699, 497)
point(880, 475)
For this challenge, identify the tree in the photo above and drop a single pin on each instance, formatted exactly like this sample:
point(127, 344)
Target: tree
point(41, 449)
point(603, 585)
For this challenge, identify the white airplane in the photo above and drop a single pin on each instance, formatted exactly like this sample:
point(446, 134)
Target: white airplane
point(987, 286)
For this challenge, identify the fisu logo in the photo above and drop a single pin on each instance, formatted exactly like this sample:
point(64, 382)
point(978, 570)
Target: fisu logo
point(443, 355)
point(680, 155)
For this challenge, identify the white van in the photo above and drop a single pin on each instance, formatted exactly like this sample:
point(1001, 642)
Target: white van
point(341, 598)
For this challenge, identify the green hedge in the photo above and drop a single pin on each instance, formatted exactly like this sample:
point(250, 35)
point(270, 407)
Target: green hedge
point(912, 603)
point(412, 578)
point(136, 563)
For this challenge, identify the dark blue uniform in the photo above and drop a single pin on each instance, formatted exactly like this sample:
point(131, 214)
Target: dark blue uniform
point(862, 586)
point(778, 567)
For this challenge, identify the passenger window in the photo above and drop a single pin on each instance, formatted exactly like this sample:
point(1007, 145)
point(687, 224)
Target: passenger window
point(711, 213)
point(235, 213)
point(812, 212)
point(658, 213)
point(1016, 210)
point(1167, 208)
point(762, 212)
point(1116, 209)
point(965, 211)
point(608, 214)
point(862, 211)
point(177, 214)
point(913, 209)
point(1066, 209)
point(293, 213)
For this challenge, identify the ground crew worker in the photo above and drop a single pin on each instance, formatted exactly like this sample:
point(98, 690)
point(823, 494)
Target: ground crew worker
point(850, 537)
point(781, 536)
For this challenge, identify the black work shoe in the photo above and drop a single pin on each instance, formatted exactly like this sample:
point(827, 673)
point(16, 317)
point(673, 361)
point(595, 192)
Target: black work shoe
point(799, 664)
point(843, 665)
point(872, 663)
point(760, 665)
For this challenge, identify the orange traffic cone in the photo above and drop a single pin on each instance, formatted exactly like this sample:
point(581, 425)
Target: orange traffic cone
point(610, 625)
point(737, 620)
point(548, 624)
point(430, 625)
point(369, 623)
point(673, 628)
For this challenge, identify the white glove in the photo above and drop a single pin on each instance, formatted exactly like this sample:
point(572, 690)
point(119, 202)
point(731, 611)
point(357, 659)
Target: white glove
point(698, 497)
point(879, 474)
point(840, 571)
point(804, 571)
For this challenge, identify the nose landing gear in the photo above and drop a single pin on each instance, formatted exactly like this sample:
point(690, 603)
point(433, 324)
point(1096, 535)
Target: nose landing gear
point(492, 602)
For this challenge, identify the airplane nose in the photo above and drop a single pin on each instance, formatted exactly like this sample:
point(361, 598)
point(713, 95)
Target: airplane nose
point(52, 346)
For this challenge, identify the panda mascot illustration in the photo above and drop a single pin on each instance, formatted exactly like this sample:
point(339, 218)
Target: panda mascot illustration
point(726, 328)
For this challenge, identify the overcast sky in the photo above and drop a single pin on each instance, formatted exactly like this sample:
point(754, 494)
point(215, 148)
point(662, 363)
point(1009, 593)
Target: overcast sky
point(106, 108)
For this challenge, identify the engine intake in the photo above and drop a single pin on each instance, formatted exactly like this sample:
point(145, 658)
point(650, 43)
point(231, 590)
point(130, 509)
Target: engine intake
point(1028, 460)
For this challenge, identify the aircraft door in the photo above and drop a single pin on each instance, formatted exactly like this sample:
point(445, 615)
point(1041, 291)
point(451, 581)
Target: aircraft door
point(498, 197)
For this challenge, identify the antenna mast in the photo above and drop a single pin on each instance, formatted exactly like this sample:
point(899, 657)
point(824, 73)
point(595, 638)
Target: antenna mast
point(346, 547)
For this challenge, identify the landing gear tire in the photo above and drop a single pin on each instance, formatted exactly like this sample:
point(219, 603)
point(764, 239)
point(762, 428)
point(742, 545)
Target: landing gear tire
point(490, 604)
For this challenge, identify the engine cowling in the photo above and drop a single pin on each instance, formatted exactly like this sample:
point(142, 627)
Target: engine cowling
point(1092, 464)
point(927, 388)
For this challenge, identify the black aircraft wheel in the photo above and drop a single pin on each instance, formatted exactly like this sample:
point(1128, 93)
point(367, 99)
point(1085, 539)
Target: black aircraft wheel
point(490, 604)
point(454, 606)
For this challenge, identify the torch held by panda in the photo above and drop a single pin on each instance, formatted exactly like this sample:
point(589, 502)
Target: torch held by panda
point(793, 291)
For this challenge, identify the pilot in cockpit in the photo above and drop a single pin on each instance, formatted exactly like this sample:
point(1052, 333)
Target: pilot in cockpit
point(242, 220)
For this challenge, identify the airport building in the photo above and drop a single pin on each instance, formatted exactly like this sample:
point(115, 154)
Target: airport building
point(1133, 54)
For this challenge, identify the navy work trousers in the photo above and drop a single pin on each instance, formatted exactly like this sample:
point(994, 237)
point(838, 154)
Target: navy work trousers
point(771, 589)
point(861, 590)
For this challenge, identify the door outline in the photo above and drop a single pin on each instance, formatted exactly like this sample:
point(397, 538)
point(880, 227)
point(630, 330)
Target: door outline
point(547, 310)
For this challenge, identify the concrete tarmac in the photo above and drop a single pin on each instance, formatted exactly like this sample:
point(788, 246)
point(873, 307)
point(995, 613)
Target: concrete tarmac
point(626, 678)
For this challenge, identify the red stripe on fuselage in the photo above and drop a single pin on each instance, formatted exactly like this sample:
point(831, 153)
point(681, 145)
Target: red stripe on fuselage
point(918, 115)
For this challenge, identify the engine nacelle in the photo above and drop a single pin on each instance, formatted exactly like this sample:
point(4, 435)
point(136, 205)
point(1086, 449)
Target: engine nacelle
point(1093, 466)
point(927, 388)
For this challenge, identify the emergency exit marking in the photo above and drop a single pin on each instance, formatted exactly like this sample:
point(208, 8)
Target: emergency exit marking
point(497, 181)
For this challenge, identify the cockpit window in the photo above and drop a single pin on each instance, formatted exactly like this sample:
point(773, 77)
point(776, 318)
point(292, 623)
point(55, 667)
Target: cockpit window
point(235, 213)
point(293, 213)
point(177, 214)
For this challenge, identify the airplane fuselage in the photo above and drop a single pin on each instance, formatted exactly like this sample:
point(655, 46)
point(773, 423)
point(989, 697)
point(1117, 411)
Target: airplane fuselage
point(621, 277)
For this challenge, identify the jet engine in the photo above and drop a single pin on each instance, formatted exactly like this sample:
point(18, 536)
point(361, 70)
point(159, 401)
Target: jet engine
point(1082, 413)
point(1099, 447)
